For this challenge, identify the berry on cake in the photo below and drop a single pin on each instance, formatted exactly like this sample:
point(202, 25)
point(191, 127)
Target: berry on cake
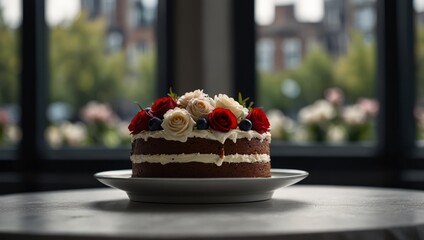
point(196, 136)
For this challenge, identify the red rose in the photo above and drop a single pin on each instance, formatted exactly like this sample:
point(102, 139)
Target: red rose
point(259, 120)
point(222, 120)
point(162, 105)
point(140, 122)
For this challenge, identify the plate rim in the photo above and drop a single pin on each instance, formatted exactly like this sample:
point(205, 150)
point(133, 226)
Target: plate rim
point(296, 174)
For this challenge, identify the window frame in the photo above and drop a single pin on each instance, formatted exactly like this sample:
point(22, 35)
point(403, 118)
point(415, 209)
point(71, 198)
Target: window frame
point(33, 157)
point(394, 151)
point(391, 153)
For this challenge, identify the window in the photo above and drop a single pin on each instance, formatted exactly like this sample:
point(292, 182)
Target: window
point(284, 93)
point(96, 75)
point(292, 52)
point(419, 56)
point(322, 85)
point(10, 20)
point(265, 55)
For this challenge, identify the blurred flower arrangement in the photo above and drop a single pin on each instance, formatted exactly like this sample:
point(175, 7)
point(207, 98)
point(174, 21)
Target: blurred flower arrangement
point(327, 120)
point(99, 125)
point(9, 132)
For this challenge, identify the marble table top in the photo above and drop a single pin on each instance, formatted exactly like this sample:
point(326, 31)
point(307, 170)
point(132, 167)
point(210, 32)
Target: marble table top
point(296, 212)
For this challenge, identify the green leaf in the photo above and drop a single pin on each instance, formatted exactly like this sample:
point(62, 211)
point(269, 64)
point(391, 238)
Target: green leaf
point(243, 101)
point(138, 104)
point(172, 94)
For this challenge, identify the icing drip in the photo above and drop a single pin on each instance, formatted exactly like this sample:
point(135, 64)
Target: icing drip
point(207, 134)
point(203, 158)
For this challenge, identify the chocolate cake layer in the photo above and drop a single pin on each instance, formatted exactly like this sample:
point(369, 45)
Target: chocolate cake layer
point(201, 170)
point(200, 145)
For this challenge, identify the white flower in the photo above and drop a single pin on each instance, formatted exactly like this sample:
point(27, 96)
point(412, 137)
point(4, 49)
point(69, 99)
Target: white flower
point(185, 99)
point(336, 134)
point(178, 123)
point(324, 111)
point(199, 108)
point(223, 101)
point(97, 112)
point(13, 133)
point(301, 135)
point(74, 134)
point(320, 111)
point(279, 123)
point(54, 136)
point(354, 115)
point(123, 132)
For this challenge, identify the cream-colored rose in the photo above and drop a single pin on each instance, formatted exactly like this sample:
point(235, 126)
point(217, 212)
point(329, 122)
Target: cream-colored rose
point(199, 108)
point(185, 99)
point(178, 123)
point(223, 101)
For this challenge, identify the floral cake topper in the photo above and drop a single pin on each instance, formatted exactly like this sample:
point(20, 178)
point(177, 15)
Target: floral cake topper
point(178, 116)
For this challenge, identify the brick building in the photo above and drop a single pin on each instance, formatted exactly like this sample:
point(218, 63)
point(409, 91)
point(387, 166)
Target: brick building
point(284, 43)
point(130, 24)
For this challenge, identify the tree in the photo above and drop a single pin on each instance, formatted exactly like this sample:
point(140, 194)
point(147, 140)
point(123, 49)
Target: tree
point(80, 68)
point(420, 62)
point(314, 75)
point(141, 85)
point(355, 72)
point(9, 63)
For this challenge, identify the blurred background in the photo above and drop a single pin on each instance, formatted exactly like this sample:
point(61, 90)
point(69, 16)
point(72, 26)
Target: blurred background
point(342, 82)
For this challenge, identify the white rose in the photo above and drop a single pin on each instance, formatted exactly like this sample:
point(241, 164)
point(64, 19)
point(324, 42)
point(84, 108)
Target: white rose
point(319, 112)
point(354, 115)
point(185, 99)
point(223, 101)
point(199, 108)
point(178, 123)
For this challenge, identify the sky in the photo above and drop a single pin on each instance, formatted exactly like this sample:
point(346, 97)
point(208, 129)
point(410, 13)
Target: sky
point(59, 11)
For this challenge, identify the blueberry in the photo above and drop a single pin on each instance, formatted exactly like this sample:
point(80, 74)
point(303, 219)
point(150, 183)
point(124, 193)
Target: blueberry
point(155, 124)
point(148, 109)
point(245, 125)
point(202, 123)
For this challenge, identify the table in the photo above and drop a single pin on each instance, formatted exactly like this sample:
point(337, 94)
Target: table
point(297, 212)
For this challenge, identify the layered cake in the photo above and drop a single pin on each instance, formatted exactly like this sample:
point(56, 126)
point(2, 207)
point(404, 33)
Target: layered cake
point(196, 136)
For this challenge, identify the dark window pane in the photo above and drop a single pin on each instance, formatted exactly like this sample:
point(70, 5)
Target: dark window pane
point(10, 19)
point(101, 61)
point(419, 110)
point(316, 64)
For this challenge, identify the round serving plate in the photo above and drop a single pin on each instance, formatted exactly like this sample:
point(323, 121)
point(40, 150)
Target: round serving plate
point(200, 190)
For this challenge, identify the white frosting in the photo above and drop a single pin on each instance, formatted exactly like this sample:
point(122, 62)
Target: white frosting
point(197, 157)
point(208, 134)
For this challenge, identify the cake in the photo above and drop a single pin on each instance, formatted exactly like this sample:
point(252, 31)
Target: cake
point(196, 136)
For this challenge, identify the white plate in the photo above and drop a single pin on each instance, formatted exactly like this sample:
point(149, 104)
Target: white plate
point(200, 190)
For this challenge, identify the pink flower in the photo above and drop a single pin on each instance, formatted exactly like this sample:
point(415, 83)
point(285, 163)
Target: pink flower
point(4, 118)
point(334, 96)
point(369, 106)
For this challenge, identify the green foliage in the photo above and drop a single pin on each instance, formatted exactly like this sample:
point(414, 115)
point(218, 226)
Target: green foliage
point(314, 75)
point(172, 94)
point(355, 72)
point(420, 61)
point(9, 63)
point(80, 68)
point(140, 87)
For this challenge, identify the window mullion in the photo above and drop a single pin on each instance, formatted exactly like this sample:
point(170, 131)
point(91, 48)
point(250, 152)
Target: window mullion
point(33, 87)
point(395, 83)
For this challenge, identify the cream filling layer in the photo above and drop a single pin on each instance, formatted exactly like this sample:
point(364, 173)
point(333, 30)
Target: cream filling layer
point(207, 134)
point(198, 157)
